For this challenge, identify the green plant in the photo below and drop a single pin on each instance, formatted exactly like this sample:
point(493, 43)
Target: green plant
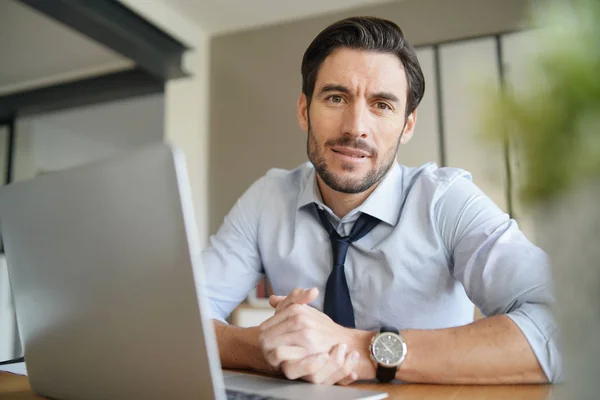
point(556, 120)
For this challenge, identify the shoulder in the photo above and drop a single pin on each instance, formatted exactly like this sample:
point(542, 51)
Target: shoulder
point(452, 193)
point(279, 183)
point(433, 181)
point(287, 178)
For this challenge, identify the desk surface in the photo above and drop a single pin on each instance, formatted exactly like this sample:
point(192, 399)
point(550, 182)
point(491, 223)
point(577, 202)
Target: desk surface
point(16, 386)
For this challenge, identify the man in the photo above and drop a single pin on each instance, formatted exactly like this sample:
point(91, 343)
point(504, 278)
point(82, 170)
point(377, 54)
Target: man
point(411, 247)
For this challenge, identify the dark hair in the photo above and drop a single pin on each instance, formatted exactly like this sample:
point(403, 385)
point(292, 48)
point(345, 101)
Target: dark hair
point(369, 34)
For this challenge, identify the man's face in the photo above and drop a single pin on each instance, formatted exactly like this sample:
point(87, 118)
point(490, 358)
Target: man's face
point(356, 118)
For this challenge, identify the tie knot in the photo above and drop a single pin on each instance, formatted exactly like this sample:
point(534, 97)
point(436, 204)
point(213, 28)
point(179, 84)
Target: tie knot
point(339, 247)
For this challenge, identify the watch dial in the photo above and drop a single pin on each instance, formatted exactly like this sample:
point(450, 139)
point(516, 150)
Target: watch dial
point(388, 349)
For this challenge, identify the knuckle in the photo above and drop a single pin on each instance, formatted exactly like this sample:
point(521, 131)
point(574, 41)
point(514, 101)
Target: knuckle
point(306, 335)
point(295, 308)
point(298, 321)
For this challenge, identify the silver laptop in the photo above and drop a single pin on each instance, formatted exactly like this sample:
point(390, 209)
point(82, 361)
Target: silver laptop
point(108, 289)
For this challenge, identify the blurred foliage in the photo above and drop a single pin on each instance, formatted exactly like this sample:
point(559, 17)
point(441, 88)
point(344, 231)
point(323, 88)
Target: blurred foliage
point(556, 119)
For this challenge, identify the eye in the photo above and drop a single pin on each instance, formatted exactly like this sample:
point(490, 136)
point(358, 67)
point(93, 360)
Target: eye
point(336, 99)
point(383, 106)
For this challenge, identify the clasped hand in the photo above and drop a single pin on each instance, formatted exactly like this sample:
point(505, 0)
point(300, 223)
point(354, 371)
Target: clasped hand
point(304, 343)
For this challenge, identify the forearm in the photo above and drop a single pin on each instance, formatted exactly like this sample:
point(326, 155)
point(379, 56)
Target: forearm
point(239, 348)
point(489, 351)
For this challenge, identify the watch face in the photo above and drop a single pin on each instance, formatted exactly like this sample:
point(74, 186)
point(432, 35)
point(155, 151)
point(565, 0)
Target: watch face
point(388, 349)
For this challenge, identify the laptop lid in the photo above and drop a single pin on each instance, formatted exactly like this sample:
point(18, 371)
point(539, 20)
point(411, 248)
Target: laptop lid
point(102, 275)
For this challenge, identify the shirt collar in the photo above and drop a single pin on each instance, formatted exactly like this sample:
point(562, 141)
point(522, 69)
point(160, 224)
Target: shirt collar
point(310, 191)
point(384, 203)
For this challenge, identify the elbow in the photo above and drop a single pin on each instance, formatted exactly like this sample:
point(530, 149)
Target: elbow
point(554, 368)
point(539, 328)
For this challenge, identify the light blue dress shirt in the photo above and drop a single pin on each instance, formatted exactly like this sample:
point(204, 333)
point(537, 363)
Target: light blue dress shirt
point(442, 245)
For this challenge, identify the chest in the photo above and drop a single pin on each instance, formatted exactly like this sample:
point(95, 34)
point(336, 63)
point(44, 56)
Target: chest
point(396, 259)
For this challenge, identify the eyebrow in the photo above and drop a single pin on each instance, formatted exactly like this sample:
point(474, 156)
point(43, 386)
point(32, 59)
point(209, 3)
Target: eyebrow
point(334, 88)
point(343, 89)
point(386, 96)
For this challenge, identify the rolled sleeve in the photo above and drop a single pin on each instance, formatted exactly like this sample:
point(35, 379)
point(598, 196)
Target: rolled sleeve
point(232, 263)
point(539, 328)
point(502, 272)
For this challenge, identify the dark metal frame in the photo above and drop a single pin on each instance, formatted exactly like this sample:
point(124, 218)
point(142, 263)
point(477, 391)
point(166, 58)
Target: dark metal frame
point(10, 152)
point(473, 37)
point(115, 26)
point(157, 56)
point(110, 87)
point(440, 104)
point(508, 167)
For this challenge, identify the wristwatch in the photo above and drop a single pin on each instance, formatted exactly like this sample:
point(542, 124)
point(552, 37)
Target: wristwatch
point(388, 351)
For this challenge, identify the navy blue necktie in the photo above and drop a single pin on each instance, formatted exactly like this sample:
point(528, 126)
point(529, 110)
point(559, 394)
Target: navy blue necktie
point(338, 305)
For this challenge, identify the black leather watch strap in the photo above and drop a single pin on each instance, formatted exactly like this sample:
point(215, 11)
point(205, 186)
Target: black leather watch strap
point(386, 374)
point(389, 329)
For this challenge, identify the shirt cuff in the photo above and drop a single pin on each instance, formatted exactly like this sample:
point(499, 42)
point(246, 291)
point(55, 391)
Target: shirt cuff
point(539, 328)
point(216, 314)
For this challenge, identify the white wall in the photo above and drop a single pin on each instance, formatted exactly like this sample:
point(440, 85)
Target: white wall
point(186, 125)
point(60, 140)
point(56, 149)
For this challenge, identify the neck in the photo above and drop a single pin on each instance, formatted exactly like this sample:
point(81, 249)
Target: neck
point(342, 203)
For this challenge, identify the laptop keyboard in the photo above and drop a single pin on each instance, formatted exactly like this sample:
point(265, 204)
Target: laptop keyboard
point(235, 395)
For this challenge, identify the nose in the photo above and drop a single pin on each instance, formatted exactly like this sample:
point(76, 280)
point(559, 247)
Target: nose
point(356, 120)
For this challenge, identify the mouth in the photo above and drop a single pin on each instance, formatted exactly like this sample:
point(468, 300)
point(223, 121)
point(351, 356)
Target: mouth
point(350, 153)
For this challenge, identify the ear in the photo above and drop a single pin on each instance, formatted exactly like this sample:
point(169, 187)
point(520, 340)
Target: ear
point(303, 112)
point(409, 128)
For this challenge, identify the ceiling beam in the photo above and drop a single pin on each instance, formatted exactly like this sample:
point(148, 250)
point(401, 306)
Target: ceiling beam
point(117, 27)
point(110, 87)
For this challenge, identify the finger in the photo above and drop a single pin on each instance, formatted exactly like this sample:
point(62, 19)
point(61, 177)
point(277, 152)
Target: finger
point(337, 357)
point(306, 366)
point(300, 296)
point(298, 321)
point(305, 338)
point(347, 373)
point(281, 316)
point(348, 380)
point(285, 353)
point(275, 300)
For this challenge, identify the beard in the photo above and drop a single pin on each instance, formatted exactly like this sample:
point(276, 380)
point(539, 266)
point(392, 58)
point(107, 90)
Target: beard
point(352, 184)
